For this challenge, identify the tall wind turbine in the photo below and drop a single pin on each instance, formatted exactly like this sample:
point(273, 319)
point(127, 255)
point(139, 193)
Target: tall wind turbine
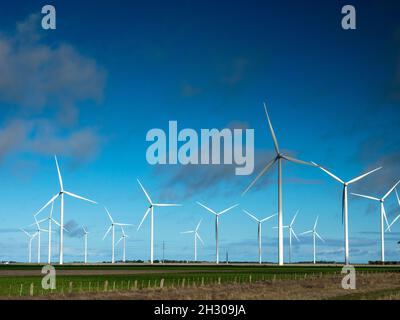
point(112, 228)
point(344, 205)
point(383, 215)
point(50, 220)
point(85, 236)
point(278, 158)
point(217, 215)
point(123, 238)
point(39, 230)
point(315, 235)
point(259, 231)
point(291, 232)
point(31, 237)
point(196, 236)
point(61, 195)
point(151, 210)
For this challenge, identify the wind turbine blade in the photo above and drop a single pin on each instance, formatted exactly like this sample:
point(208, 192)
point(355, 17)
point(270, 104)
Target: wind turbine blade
point(306, 232)
point(51, 210)
point(144, 217)
point(384, 215)
point(119, 240)
point(393, 222)
point(390, 191)
point(270, 217)
point(250, 215)
point(207, 208)
point(79, 197)
point(198, 237)
point(298, 161)
point(59, 175)
point(84, 230)
point(45, 206)
point(329, 173)
point(364, 196)
point(294, 233)
point(226, 210)
point(320, 238)
point(363, 175)
point(43, 220)
point(398, 198)
point(185, 232)
point(272, 130)
point(269, 164)
point(145, 192)
point(166, 205)
point(109, 215)
point(198, 225)
point(294, 218)
point(25, 232)
point(122, 224)
point(316, 222)
point(107, 232)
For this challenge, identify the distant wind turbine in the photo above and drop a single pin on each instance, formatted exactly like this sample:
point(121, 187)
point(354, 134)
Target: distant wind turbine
point(291, 232)
point(151, 211)
point(85, 236)
point(383, 215)
point(196, 236)
point(123, 239)
point(61, 195)
point(259, 231)
point(31, 237)
point(112, 228)
point(315, 235)
point(344, 205)
point(217, 215)
point(39, 230)
point(278, 158)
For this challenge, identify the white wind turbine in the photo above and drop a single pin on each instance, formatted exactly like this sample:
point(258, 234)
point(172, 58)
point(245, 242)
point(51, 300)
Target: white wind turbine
point(31, 237)
point(259, 231)
point(112, 228)
point(123, 238)
point(217, 215)
point(383, 215)
point(196, 236)
point(315, 235)
point(291, 232)
point(61, 195)
point(278, 158)
point(344, 205)
point(151, 210)
point(50, 220)
point(39, 230)
point(85, 236)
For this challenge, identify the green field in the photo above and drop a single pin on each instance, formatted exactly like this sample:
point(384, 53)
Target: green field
point(13, 284)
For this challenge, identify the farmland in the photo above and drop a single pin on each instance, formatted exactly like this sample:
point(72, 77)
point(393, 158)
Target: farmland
point(197, 281)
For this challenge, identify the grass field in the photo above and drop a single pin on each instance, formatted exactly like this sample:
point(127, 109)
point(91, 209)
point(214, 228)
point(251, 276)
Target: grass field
point(143, 281)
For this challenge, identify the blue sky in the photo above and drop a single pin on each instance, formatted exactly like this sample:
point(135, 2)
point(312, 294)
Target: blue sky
point(90, 91)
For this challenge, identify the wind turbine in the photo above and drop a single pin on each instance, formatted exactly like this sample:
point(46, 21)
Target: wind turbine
point(217, 215)
point(196, 236)
point(259, 231)
point(398, 216)
point(112, 228)
point(278, 158)
point(85, 236)
point(61, 194)
point(315, 235)
point(50, 220)
point(344, 205)
point(151, 210)
point(383, 215)
point(291, 232)
point(124, 236)
point(39, 230)
point(31, 237)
